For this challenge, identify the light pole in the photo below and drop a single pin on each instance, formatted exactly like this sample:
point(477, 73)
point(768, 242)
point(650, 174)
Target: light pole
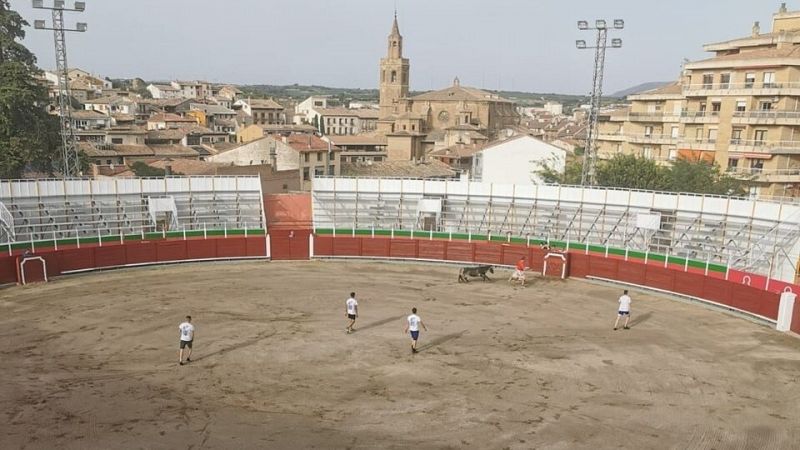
point(590, 151)
point(68, 141)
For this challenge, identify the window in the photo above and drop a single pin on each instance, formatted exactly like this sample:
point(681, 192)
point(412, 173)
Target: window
point(647, 152)
point(306, 157)
point(305, 174)
point(741, 105)
point(319, 171)
point(394, 76)
point(108, 162)
point(756, 165)
point(732, 164)
point(764, 105)
point(769, 80)
point(673, 154)
point(674, 132)
point(698, 134)
point(736, 136)
point(712, 135)
point(619, 148)
point(319, 156)
point(703, 107)
point(715, 108)
point(116, 140)
point(760, 136)
point(749, 80)
point(725, 81)
point(708, 80)
point(648, 131)
point(413, 127)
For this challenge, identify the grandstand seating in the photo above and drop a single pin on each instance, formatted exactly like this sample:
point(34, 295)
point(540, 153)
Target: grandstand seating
point(59, 209)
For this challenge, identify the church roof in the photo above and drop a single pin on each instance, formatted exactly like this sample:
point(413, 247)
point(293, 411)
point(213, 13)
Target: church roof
point(460, 93)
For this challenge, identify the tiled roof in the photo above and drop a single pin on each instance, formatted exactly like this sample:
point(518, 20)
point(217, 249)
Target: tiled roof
point(305, 142)
point(173, 150)
point(168, 117)
point(264, 103)
point(432, 168)
point(459, 93)
point(87, 114)
point(212, 109)
point(769, 53)
point(359, 140)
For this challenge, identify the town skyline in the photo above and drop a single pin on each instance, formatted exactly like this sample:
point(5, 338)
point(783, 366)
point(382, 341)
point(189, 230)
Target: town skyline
point(340, 48)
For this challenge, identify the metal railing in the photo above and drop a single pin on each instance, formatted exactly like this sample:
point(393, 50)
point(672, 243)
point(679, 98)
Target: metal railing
point(7, 223)
point(765, 145)
point(767, 114)
point(699, 114)
point(734, 86)
point(764, 172)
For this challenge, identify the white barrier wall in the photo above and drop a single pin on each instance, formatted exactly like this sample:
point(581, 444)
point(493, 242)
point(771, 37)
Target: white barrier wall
point(750, 235)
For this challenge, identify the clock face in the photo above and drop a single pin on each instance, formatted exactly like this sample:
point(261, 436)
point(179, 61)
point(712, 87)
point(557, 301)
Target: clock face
point(444, 116)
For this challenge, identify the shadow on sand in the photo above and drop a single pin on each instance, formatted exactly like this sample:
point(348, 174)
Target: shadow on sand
point(379, 323)
point(440, 340)
point(640, 319)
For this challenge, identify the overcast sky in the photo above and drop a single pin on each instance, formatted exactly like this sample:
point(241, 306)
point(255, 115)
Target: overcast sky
point(509, 44)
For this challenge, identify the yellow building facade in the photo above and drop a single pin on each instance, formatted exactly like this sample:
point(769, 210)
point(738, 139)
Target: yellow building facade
point(740, 108)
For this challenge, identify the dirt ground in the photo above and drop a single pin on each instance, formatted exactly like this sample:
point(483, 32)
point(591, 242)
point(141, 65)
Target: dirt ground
point(90, 362)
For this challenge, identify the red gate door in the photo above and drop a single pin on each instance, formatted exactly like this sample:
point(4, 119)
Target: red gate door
point(289, 244)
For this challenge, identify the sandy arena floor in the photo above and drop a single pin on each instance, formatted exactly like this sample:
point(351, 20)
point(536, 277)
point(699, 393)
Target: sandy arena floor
point(90, 362)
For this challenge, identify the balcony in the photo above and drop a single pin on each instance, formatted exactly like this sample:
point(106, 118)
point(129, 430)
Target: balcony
point(652, 139)
point(767, 175)
point(766, 118)
point(653, 117)
point(698, 144)
point(700, 117)
point(614, 137)
point(747, 88)
point(768, 147)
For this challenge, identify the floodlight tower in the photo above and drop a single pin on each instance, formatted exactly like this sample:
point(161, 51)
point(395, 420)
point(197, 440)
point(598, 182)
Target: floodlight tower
point(68, 140)
point(590, 151)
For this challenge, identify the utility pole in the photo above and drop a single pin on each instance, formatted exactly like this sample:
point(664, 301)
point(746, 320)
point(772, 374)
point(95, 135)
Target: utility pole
point(590, 151)
point(68, 140)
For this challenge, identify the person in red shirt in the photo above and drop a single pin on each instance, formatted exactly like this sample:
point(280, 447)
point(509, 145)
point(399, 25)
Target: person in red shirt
point(519, 273)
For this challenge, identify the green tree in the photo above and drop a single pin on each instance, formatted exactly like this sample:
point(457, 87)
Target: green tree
point(703, 177)
point(28, 135)
point(573, 169)
point(632, 172)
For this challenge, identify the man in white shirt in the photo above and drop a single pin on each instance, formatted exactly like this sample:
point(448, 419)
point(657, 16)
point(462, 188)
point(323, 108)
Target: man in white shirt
point(351, 307)
point(187, 336)
point(412, 325)
point(624, 309)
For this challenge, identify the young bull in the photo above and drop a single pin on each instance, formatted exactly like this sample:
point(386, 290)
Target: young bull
point(477, 271)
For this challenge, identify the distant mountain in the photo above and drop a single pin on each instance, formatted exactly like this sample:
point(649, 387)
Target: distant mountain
point(640, 88)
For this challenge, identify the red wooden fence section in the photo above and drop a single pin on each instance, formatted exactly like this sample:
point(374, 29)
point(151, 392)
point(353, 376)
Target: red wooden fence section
point(288, 224)
point(730, 293)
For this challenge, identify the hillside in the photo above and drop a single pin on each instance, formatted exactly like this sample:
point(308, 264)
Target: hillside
point(639, 88)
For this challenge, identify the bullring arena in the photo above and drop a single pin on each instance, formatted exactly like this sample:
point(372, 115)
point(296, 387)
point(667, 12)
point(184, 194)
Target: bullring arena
point(89, 357)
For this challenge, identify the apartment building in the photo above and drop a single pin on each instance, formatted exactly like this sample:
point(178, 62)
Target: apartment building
point(740, 108)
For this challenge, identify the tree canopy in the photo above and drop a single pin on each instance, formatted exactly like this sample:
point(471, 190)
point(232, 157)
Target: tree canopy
point(29, 136)
point(634, 172)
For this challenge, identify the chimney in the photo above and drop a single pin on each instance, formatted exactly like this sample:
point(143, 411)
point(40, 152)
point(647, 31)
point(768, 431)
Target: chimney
point(783, 9)
point(756, 29)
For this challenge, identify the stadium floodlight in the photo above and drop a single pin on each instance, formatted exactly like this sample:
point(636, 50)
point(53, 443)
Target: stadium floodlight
point(69, 142)
point(590, 152)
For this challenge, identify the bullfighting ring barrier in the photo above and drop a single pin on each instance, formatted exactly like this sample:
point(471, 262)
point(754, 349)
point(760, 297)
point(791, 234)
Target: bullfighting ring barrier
point(736, 253)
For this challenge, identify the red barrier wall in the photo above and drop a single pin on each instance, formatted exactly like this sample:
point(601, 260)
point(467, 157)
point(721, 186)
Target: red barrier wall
point(754, 299)
point(66, 260)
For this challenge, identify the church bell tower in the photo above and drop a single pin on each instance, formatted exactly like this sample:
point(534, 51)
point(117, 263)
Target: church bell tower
point(394, 74)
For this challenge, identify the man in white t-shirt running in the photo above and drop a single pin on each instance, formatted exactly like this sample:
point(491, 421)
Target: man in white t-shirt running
point(187, 337)
point(351, 306)
point(624, 309)
point(412, 325)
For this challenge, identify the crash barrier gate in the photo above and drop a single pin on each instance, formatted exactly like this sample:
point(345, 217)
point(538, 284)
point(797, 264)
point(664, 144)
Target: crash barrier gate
point(690, 278)
point(33, 261)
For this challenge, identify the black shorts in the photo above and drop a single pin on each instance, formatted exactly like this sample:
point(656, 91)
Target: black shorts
point(186, 344)
point(351, 316)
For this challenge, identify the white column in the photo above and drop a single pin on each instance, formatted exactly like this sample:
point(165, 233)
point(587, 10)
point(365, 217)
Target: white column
point(785, 311)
